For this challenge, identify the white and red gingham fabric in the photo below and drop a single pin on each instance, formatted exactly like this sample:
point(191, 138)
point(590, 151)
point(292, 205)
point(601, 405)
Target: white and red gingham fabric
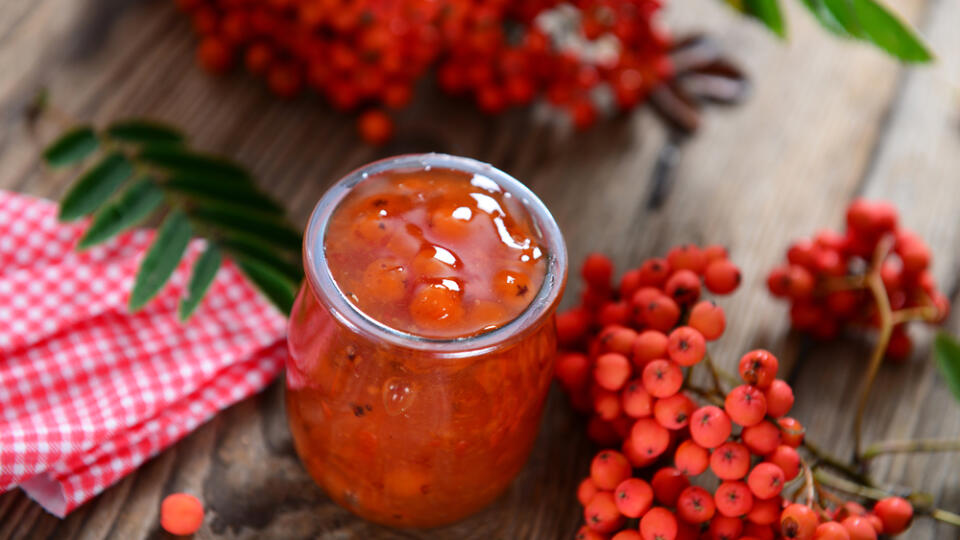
point(88, 391)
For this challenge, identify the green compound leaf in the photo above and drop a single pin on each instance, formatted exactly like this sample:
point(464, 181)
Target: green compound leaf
point(144, 132)
point(215, 189)
point(887, 31)
point(946, 351)
point(133, 205)
point(826, 19)
point(265, 227)
point(243, 247)
point(768, 12)
point(280, 290)
point(204, 270)
point(181, 161)
point(71, 147)
point(95, 186)
point(161, 259)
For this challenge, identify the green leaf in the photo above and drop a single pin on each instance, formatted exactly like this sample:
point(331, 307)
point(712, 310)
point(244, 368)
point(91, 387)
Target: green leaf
point(280, 290)
point(889, 32)
point(179, 160)
point(946, 351)
point(95, 186)
point(216, 189)
point(144, 132)
point(161, 259)
point(768, 12)
point(204, 270)
point(71, 147)
point(133, 205)
point(825, 17)
point(266, 227)
point(247, 248)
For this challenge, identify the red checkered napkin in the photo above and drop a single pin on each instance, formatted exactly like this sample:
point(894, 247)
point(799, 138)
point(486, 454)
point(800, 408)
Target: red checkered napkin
point(88, 391)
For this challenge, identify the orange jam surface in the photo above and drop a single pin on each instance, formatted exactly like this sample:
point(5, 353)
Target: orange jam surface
point(437, 253)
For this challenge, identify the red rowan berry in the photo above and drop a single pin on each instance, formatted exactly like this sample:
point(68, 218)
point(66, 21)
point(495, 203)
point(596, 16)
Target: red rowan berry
point(683, 286)
point(285, 80)
point(597, 271)
point(798, 522)
point(586, 490)
point(649, 345)
point(831, 530)
point(633, 497)
point(687, 531)
point(708, 319)
point(258, 58)
point(586, 533)
point(614, 313)
point(762, 438)
point(215, 55)
point(654, 272)
point(691, 458)
point(875, 521)
point(801, 282)
point(765, 511)
point(660, 313)
point(635, 400)
point(611, 371)
point(859, 528)
point(778, 281)
point(895, 514)
point(695, 505)
point(634, 456)
point(725, 528)
point(658, 524)
point(667, 484)
point(608, 469)
point(801, 253)
point(843, 303)
point(779, 398)
point(715, 252)
point(375, 126)
point(721, 277)
point(849, 508)
point(601, 514)
point(710, 426)
point(787, 459)
point(572, 326)
point(898, 348)
point(733, 498)
point(758, 368)
point(686, 346)
point(746, 405)
point(649, 438)
point(765, 480)
point(730, 461)
point(630, 282)
point(181, 514)
point(674, 412)
point(759, 532)
point(572, 370)
point(687, 257)
point(606, 403)
point(792, 431)
point(627, 534)
point(662, 378)
point(618, 339)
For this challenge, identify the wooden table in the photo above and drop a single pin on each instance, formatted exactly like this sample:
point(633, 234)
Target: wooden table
point(827, 121)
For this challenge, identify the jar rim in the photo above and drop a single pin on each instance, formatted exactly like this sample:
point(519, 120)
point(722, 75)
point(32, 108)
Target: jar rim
point(325, 287)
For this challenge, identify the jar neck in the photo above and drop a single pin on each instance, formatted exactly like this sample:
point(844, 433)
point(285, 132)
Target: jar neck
point(324, 286)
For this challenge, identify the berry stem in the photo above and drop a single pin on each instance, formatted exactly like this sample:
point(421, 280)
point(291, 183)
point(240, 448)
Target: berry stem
point(914, 445)
point(714, 374)
point(808, 484)
point(836, 463)
point(875, 494)
point(920, 313)
point(885, 313)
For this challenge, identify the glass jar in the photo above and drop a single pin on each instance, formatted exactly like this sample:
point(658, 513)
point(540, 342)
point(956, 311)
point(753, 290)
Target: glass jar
point(408, 431)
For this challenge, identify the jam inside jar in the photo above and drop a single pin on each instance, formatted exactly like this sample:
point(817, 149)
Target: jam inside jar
point(422, 342)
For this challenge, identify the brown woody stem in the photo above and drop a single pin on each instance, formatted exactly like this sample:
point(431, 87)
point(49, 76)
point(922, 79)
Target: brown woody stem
point(915, 445)
point(875, 494)
point(836, 463)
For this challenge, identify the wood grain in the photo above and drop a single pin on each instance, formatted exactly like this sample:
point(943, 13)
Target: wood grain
point(828, 120)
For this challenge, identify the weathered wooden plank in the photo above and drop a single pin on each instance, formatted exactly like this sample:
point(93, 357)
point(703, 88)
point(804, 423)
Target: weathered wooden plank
point(778, 167)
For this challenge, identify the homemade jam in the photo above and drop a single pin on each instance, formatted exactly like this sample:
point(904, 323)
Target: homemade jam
point(422, 344)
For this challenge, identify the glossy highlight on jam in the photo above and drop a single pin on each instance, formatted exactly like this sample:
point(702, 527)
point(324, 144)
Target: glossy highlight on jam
point(438, 253)
point(422, 343)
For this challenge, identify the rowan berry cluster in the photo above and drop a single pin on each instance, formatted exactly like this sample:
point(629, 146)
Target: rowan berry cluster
point(371, 52)
point(682, 462)
point(874, 269)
